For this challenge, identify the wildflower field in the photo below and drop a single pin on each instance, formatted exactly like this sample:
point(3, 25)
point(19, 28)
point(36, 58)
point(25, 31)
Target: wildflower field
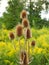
point(40, 52)
point(24, 32)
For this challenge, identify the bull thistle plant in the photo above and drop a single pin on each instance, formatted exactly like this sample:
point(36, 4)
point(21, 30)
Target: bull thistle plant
point(24, 30)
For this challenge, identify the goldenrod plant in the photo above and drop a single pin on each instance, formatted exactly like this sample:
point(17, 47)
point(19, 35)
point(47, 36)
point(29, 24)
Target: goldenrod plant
point(10, 53)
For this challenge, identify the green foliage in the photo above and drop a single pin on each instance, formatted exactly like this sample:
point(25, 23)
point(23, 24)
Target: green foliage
point(39, 59)
point(34, 10)
point(10, 19)
point(11, 16)
point(47, 63)
point(1, 22)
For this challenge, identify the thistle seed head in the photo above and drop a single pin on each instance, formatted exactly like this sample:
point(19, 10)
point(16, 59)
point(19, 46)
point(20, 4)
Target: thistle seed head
point(11, 35)
point(25, 22)
point(28, 33)
point(23, 14)
point(24, 58)
point(33, 43)
point(22, 55)
point(19, 30)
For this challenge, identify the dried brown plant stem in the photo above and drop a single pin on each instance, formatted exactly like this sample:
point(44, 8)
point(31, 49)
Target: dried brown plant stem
point(29, 55)
point(24, 58)
point(28, 49)
point(25, 44)
point(19, 46)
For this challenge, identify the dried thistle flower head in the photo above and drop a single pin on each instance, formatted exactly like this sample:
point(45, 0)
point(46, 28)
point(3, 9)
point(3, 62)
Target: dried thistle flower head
point(24, 58)
point(19, 30)
point(28, 33)
point(33, 43)
point(11, 35)
point(23, 14)
point(22, 55)
point(25, 22)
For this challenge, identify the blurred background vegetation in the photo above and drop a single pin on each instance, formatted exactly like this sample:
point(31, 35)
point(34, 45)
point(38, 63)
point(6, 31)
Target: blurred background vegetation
point(11, 17)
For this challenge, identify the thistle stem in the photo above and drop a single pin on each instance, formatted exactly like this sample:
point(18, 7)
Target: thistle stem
point(19, 44)
point(25, 44)
point(28, 50)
